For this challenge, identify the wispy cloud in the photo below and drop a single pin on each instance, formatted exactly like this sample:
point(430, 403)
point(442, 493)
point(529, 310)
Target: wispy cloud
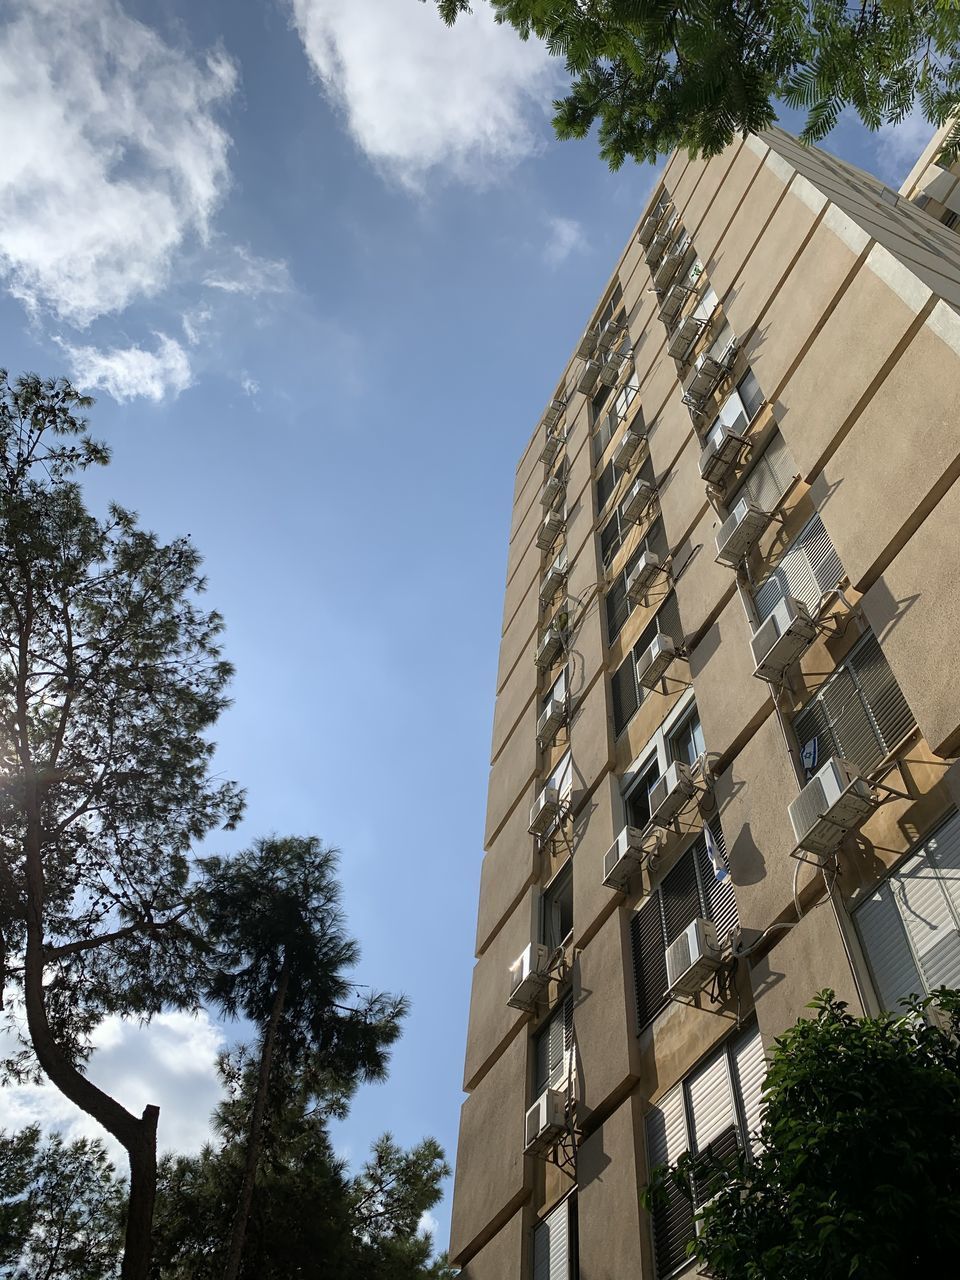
point(243, 272)
point(130, 372)
point(421, 98)
point(898, 146)
point(249, 386)
point(564, 236)
point(117, 155)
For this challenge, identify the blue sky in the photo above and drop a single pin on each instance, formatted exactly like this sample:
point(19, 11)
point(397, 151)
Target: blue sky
point(320, 261)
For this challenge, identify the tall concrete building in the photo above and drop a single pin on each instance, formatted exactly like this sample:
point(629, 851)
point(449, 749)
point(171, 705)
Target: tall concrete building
point(728, 707)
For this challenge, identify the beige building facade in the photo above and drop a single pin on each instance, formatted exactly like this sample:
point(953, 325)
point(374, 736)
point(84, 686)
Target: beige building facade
point(727, 719)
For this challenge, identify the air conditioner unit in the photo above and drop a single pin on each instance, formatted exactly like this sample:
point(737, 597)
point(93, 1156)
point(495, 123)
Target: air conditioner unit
point(552, 492)
point(553, 579)
point(588, 376)
point(657, 248)
point(672, 301)
point(692, 957)
point(610, 332)
point(553, 412)
point(781, 638)
point(834, 801)
point(610, 371)
point(544, 811)
point(722, 451)
point(653, 663)
point(551, 447)
point(637, 501)
point(587, 345)
point(551, 718)
point(632, 849)
point(544, 1122)
point(685, 336)
point(626, 447)
point(550, 530)
point(740, 532)
point(642, 575)
point(649, 226)
point(551, 643)
point(666, 269)
point(528, 976)
point(706, 374)
point(670, 794)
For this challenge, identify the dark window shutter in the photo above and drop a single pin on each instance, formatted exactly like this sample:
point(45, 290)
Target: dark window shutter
point(649, 960)
point(606, 482)
point(681, 896)
point(715, 1165)
point(672, 1229)
point(891, 715)
point(624, 690)
point(611, 536)
point(668, 619)
point(618, 608)
point(719, 900)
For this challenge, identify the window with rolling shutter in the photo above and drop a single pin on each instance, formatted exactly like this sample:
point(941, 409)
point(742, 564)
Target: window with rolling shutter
point(858, 712)
point(770, 476)
point(552, 1048)
point(606, 483)
point(627, 693)
point(808, 571)
point(690, 889)
point(910, 925)
point(554, 1244)
point(618, 605)
point(711, 1114)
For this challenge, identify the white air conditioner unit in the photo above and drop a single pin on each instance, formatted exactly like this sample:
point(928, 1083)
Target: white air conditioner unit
point(626, 448)
point(544, 811)
point(642, 575)
point(630, 852)
point(649, 226)
point(553, 579)
point(692, 957)
point(551, 643)
point(781, 638)
point(706, 374)
point(550, 530)
point(685, 336)
point(588, 376)
point(610, 371)
point(553, 412)
point(637, 501)
point(552, 492)
point(654, 662)
point(544, 1122)
point(724, 448)
point(587, 345)
point(672, 301)
point(610, 332)
point(834, 801)
point(670, 794)
point(657, 247)
point(551, 447)
point(740, 532)
point(551, 718)
point(529, 976)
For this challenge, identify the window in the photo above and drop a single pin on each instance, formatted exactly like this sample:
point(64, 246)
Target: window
point(751, 397)
point(627, 693)
point(858, 712)
point(618, 604)
point(637, 799)
point(556, 909)
point(616, 529)
point(598, 401)
point(712, 1113)
point(689, 890)
point(552, 1048)
point(557, 690)
point(910, 925)
point(707, 305)
point(613, 302)
point(606, 424)
point(770, 476)
point(809, 570)
point(686, 743)
point(606, 483)
point(555, 1248)
point(562, 777)
point(950, 219)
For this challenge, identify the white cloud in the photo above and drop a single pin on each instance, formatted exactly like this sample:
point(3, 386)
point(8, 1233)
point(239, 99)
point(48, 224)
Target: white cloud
point(565, 236)
point(194, 323)
point(116, 157)
point(243, 272)
point(249, 386)
point(428, 1223)
point(171, 1062)
point(898, 146)
point(419, 96)
point(128, 372)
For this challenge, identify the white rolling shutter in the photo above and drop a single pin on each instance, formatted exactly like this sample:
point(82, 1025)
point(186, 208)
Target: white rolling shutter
point(711, 1101)
point(807, 572)
point(750, 1068)
point(667, 1130)
point(551, 1245)
point(887, 948)
point(771, 475)
point(930, 921)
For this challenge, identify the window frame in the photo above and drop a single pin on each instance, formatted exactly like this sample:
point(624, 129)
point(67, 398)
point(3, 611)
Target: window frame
point(562, 881)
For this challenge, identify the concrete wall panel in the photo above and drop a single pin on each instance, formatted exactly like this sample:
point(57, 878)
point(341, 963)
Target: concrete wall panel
point(509, 867)
point(492, 1022)
point(731, 701)
point(609, 1192)
point(604, 1022)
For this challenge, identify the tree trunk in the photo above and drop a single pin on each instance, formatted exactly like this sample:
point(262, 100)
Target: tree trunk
point(137, 1136)
point(238, 1232)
